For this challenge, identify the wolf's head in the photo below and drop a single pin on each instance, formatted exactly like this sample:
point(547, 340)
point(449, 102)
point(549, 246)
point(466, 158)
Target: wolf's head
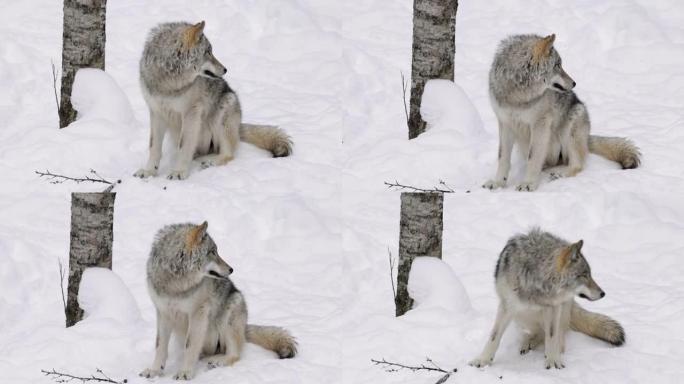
point(196, 47)
point(576, 273)
point(549, 65)
point(182, 257)
point(200, 248)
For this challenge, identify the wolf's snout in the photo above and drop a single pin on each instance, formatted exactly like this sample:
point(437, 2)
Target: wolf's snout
point(573, 84)
point(602, 294)
point(224, 71)
point(230, 270)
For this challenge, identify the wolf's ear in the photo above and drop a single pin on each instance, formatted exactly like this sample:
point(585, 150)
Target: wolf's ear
point(542, 49)
point(568, 255)
point(195, 236)
point(577, 247)
point(191, 35)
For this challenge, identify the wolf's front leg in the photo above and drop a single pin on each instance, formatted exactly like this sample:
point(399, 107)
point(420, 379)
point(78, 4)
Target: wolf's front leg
point(187, 144)
point(194, 341)
point(506, 141)
point(552, 337)
point(161, 347)
point(539, 146)
point(503, 318)
point(157, 133)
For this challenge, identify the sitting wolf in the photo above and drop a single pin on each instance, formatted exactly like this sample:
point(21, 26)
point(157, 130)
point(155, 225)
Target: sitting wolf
point(182, 85)
point(537, 109)
point(537, 278)
point(189, 286)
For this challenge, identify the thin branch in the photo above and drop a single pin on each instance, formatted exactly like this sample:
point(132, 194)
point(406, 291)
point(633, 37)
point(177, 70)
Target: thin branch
point(404, 87)
point(395, 367)
point(391, 265)
point(59, 179)
point(61, 282)
point(54, 83)
point(444, 188)
point(62, 377)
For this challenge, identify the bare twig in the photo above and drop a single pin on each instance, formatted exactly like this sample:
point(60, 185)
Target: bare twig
point(59, 179)
point(62, 377)
point(395, 367)
point(54, 83)
point(404, 87)
point(444, 188)
point(61, 282)
point(391, 265)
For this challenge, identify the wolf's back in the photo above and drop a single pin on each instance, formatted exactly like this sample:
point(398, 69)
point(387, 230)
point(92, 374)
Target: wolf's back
point(596, 325)
point(276, 339)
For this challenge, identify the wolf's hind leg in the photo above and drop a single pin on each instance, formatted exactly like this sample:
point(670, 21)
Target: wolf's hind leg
point(226, 134)
point(234, 339)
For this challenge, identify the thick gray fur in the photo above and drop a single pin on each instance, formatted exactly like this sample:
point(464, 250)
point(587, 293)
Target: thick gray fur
point(537, 277)
point(182, 83)
point(194, 297)
point(537, 110)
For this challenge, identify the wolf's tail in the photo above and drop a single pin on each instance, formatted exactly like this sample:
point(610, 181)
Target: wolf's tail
point(596, 325)
point(276, 339)
point(268, 137)
point(618, 149)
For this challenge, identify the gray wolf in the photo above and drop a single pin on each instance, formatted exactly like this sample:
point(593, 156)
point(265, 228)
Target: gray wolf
point(536, 277)
point(194, 297)
point(536, 109)
point(182, 85)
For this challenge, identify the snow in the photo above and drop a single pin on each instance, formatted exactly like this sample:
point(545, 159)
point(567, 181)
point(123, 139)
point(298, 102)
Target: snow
point(103, 295)
point(96, 95)
point(433, 283)
point(308, 235)
point(446, 105)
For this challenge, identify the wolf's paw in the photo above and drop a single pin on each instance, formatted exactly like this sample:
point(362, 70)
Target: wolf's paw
point(554, 363)
point(525, 349)
point(145, 173)
point(526, 187)
point(480, 362)
point(149, 373)
point(184, 374)
point(494, 184)
point(221, 361)
point(177, 175)
point(555, 176)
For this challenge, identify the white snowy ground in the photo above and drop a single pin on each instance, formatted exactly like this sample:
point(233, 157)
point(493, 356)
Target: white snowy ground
point(308, 235)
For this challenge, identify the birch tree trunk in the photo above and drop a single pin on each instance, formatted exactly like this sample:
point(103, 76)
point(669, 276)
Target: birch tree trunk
point(92, 220)
point(420, 234)
point(434, 23)
point(83, 46)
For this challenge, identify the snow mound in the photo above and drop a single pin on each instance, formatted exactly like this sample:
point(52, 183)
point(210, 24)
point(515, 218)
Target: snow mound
point(96, 95)
point(103, 295)
point(433, 284)
point(447, 105)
